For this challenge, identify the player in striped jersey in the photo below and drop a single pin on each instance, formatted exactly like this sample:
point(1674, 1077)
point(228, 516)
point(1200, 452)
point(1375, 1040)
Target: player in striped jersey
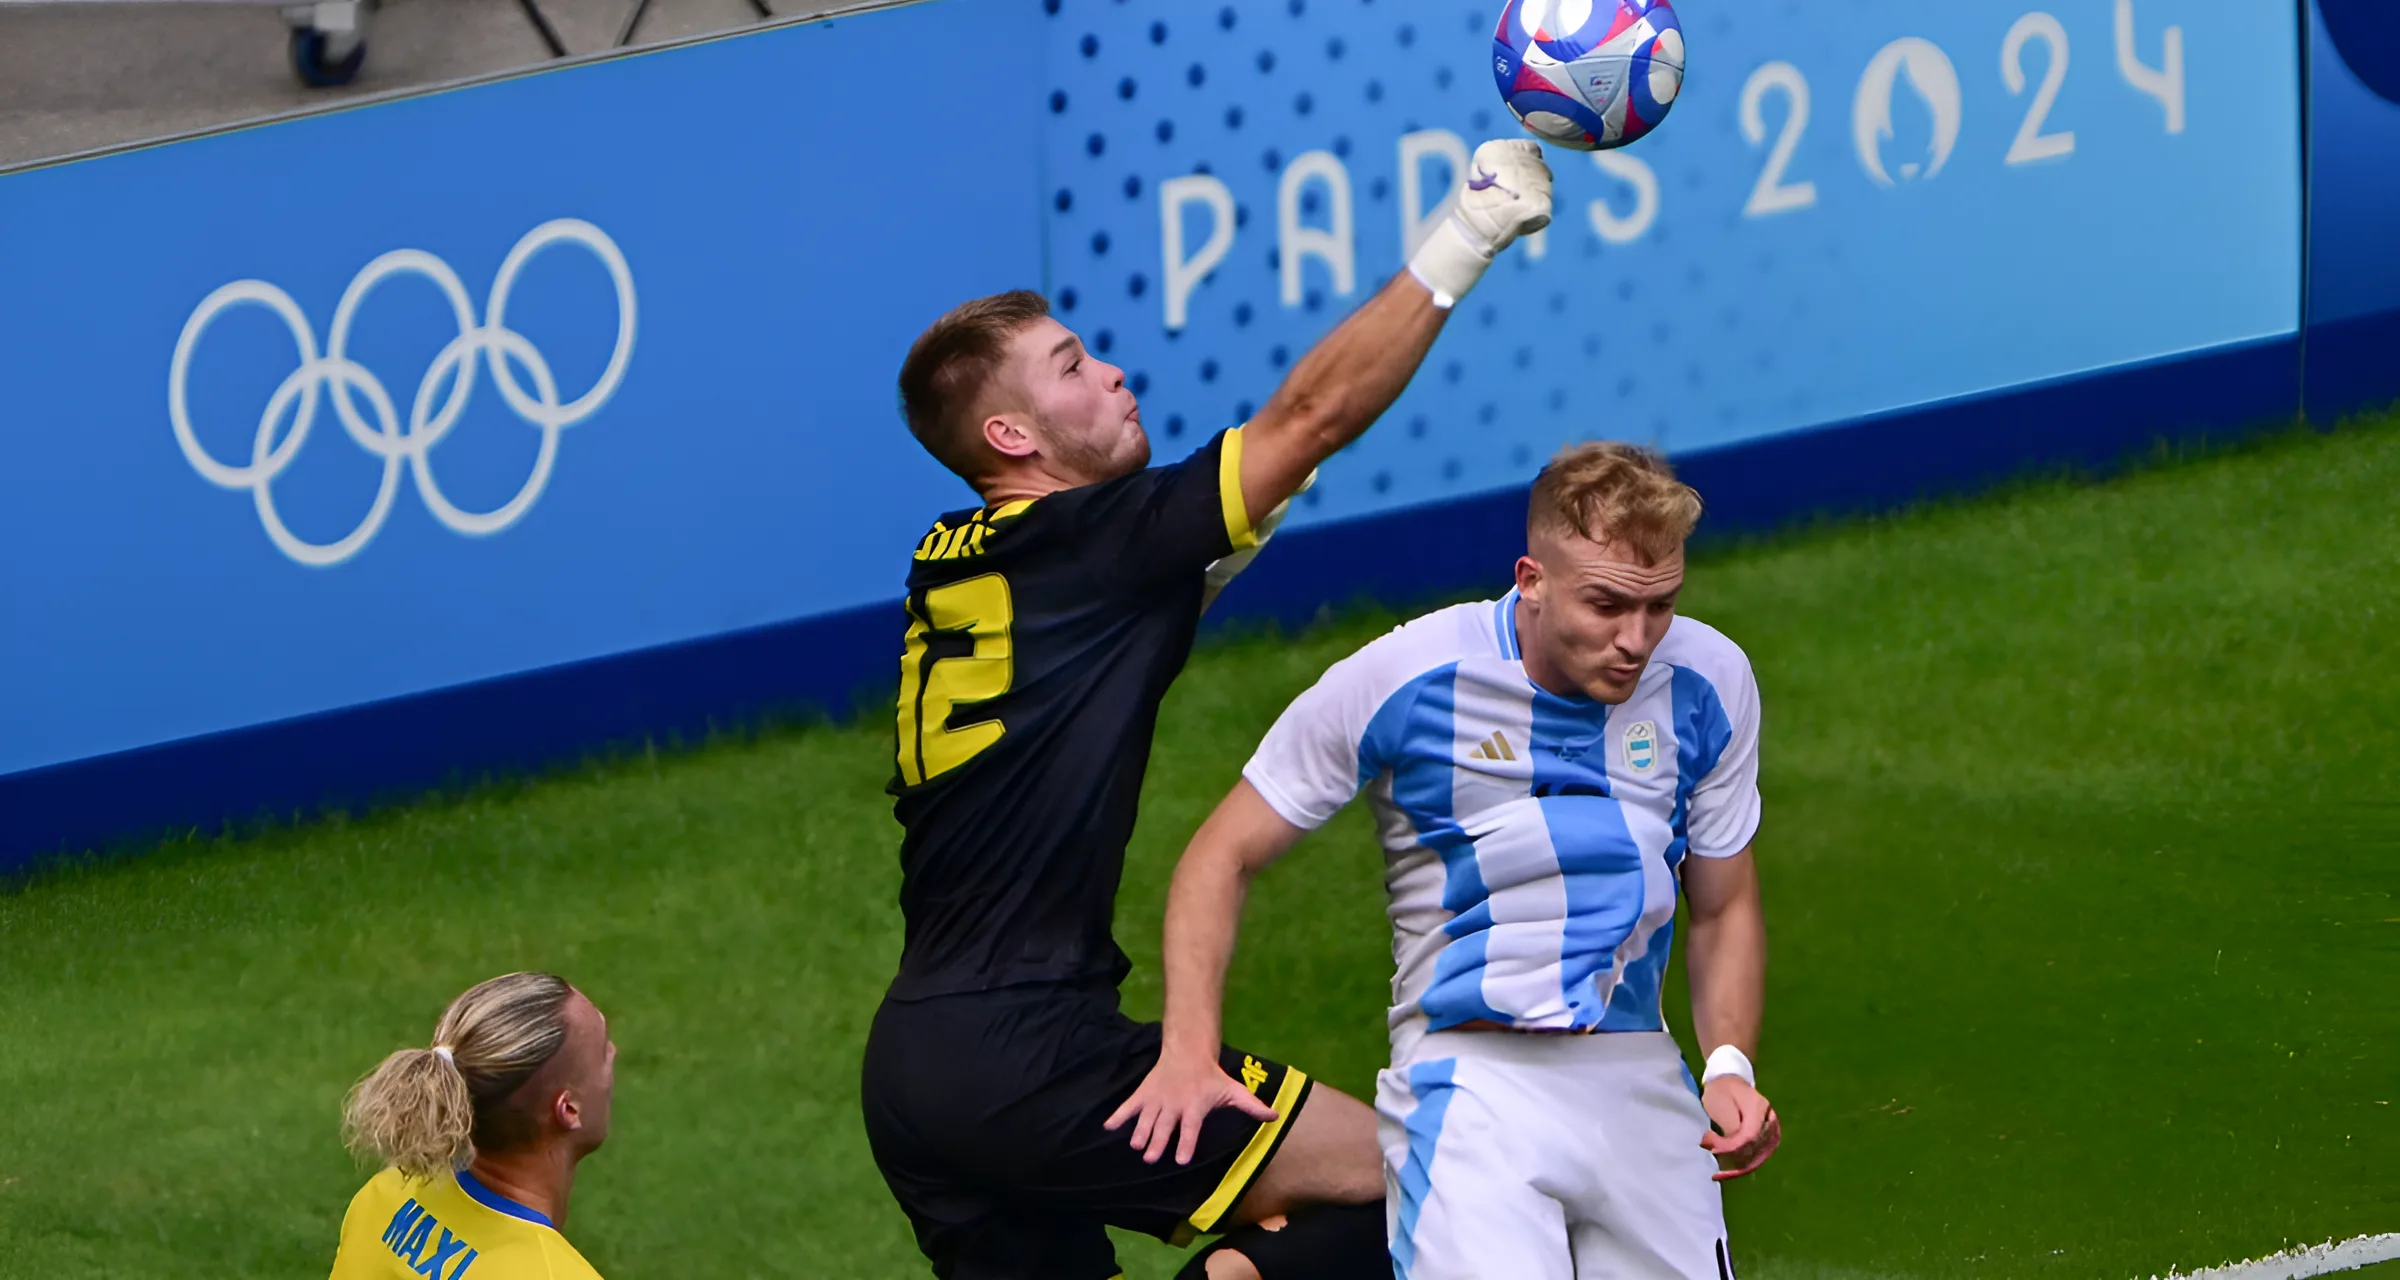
point(480, 1136)
point(1547, 770)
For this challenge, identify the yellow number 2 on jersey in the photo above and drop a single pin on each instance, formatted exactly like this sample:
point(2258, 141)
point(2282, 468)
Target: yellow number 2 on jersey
point(929, 746)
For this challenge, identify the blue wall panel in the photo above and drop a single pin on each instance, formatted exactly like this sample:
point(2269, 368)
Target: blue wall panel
point(2354, 207)
point(385, 750)
point(1695, 292)
point(1883, 308)
point(749, 469)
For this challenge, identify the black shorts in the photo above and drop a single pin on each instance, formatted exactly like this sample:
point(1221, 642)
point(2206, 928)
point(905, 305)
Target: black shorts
point(985, 1113)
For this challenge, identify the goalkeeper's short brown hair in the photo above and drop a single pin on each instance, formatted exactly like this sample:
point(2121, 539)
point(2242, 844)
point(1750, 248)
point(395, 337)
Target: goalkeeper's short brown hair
point(1610, 491)
point(950, 365)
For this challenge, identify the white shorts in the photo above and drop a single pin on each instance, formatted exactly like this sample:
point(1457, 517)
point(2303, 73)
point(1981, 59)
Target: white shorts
point(1515, 1156)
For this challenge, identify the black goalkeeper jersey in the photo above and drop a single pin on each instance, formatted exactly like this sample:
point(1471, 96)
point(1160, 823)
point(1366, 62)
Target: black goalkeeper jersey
point(1042, 636)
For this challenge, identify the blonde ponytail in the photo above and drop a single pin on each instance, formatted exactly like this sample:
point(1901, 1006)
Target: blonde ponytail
point(425, 1111)
point(413, 1113)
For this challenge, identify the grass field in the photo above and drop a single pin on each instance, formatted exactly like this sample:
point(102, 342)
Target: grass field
point(2082, 844)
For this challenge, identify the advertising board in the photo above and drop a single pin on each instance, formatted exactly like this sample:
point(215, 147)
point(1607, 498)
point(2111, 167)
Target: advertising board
point(1848, 213)
point(358, 406)
point(474, 429)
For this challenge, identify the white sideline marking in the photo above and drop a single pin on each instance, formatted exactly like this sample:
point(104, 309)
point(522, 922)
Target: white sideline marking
point(2299, 1264)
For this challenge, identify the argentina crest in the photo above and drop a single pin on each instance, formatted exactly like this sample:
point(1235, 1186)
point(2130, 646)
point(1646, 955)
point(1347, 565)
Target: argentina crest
point(1641, 746)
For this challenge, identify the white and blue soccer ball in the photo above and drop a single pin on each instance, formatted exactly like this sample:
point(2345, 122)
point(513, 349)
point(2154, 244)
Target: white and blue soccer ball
point(1588, 74)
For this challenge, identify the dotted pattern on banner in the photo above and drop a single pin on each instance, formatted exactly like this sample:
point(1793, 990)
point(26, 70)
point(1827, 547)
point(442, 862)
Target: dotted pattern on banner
point(1594, 339)
point(1872, 240)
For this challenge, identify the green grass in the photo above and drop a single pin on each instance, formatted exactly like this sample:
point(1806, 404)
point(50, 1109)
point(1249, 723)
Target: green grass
point(2083, 805)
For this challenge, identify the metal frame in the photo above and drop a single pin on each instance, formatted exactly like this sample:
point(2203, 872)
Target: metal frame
point(828, 13)
point(633, 18)
point(342, 24)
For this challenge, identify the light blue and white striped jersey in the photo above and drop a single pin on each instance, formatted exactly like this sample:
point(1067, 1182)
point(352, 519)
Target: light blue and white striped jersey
point(1531, 840)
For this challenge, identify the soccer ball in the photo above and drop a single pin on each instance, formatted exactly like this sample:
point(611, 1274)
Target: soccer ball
point(1588, 74)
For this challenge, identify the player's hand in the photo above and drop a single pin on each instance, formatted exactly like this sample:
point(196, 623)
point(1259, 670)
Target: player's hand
point(1175, 1098)
point(1506, 195)
point(1751, 1131)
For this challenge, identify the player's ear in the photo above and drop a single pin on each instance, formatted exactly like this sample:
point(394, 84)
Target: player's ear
point(1009, 435)
point(565, 1112)
point(1529, 578)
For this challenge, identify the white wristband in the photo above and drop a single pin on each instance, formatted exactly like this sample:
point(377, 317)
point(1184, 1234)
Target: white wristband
point(1725, 1060)
point(1448, 263)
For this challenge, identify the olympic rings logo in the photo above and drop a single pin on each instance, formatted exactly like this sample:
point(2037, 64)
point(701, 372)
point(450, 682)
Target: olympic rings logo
point(272, 451)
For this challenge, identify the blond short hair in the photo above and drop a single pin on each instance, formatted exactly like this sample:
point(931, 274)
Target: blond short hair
point(1610, 491)
point(425, 1111)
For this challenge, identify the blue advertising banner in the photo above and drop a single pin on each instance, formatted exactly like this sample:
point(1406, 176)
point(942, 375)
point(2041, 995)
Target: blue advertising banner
point(477, 428)
point(2354, 207)
point(363, 405)
point(1847, 213)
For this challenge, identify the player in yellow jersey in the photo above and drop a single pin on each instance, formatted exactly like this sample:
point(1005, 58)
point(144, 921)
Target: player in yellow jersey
point(479, 1136)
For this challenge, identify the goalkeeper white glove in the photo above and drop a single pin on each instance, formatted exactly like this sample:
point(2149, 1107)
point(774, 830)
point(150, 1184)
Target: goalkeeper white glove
point(1225, 570)
point(1506, 195)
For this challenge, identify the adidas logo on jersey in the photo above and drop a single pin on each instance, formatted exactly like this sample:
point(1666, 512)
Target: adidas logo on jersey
point(1493, 748)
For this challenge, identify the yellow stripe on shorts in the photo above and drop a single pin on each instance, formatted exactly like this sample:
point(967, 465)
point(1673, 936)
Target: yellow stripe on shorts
point(1245, 1166)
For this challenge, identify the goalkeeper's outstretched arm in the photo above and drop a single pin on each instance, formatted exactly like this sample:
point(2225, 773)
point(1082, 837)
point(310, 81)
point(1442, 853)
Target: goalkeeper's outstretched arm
point(1346, 381)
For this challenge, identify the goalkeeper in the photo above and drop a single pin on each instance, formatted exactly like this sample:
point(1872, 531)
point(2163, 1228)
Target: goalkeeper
point(1044, 627)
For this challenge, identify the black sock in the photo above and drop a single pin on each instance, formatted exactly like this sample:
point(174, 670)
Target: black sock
point(1321, 1242)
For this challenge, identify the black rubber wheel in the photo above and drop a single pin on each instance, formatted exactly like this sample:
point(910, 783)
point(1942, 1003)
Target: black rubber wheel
point(310, 63)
